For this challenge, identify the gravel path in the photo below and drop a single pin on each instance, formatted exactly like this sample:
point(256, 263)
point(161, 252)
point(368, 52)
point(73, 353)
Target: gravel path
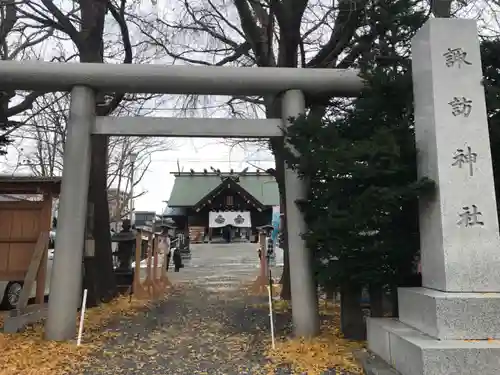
point(207, 325)
point(193, 332)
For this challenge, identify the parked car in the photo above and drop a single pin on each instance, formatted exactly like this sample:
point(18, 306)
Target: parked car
point(11, 290)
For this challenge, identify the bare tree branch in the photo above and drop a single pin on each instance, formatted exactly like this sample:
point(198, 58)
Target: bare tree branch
point(348, 21)
point(119, 16)
point(63, 20)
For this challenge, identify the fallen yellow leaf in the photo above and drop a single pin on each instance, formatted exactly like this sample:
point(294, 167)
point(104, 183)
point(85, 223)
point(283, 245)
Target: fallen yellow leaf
point(314, 356)
point(27, 353)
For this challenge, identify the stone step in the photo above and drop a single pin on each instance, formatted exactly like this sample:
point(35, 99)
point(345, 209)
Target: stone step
point(450, 316)
point(412, 352)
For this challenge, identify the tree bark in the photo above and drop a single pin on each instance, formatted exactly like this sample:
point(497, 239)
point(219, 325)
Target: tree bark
point(394, 301)
point(273, 110)
point(102, 263)
point(351, 315)
point(441, 8)
point(376, 292)
point(411, 280)
point(98, 269)
point(286, 292)
point(330, 292)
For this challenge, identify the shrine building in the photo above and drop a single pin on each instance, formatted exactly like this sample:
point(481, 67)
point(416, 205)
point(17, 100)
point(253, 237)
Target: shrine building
point(222, 206)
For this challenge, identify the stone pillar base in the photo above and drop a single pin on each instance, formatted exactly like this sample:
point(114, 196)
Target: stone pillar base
point(440, 333)
point(412, 352)
point(451, 316)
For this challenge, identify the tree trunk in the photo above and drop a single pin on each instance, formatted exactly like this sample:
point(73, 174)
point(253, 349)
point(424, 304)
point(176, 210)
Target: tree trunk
point(394, 301)
point(286, 292)
point(376, 292)
point(89, 282)
point(411, 280)
point(105, 279)
point(273, 110)
point(330, 291)
point(329, 294)
point(351, 315)
point(99, 274)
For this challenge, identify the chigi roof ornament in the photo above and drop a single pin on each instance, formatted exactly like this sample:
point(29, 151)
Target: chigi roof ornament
point(231, 175)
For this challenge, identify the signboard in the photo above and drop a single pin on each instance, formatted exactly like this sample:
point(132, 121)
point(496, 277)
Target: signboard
point(239, 219)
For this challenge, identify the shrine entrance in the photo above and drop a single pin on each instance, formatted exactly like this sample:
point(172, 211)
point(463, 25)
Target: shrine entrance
point(451, 316)
point(287, 85)
point(229, 226)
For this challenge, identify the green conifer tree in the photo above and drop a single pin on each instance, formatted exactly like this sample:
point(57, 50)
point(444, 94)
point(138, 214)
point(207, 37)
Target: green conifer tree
point(362, 209)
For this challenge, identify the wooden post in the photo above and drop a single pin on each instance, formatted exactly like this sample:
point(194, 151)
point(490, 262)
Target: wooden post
point(156, 282)
point(155, 257)
point(164, 279)
point(260, 284)
point(138, 288)
point(263, 262)
point(138, 250)
point(147, 282)
point(33, 270)
point(23, 314)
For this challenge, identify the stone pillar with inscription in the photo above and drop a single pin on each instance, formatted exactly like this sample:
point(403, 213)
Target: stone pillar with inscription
point(452, 324)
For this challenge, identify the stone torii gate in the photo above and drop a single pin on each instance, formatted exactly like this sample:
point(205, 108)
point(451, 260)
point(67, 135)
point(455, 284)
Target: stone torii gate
point(83, 80)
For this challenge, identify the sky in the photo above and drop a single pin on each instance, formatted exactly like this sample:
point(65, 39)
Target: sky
point(188, 153)
point(194, 153)
point(197, 154)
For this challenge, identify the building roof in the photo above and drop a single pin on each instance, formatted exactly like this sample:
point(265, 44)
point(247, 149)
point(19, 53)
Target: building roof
point(190, 188)
point(228, 182)
point(114, 191)
point(174, 211)
point(145, 212)
point(10, 198)
point(26, 184)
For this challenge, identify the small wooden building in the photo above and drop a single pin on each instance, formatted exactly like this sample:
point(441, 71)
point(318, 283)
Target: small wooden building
point(222, 206)
point(22, 224)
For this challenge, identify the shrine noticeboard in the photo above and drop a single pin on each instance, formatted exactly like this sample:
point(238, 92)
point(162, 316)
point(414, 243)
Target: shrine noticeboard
point(196, 234)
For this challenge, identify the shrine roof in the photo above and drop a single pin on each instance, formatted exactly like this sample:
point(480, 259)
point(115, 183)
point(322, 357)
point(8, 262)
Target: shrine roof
point(190, 188)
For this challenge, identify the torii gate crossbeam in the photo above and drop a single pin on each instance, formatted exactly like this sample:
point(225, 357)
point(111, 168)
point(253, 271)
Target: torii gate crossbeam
point(177, 79)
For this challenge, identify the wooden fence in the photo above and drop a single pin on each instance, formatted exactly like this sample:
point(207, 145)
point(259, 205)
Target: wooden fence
point(150, 277)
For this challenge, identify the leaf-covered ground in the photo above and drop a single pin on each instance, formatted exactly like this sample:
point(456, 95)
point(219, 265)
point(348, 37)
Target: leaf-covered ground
point(196, 332)
point(327, 354)
point(27, 353)
point(192, 332)
point(210, 322)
